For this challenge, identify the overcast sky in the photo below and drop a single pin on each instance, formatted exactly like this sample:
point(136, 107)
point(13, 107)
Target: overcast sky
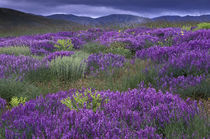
point(97, 8)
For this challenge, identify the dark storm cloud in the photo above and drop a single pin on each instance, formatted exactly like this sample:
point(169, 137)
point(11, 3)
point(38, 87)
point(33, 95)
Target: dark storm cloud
point(103, 7)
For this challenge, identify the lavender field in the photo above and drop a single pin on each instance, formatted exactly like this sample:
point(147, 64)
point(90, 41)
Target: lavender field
point(104, 83)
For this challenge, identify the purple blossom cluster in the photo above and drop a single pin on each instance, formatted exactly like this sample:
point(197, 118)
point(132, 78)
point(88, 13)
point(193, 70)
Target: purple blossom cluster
point(173, 84)
point(42, 47)
point(159, 54)
point(137, 113)
point(187, 63)
point(17, 65)
point(102, 62)
point(184, 64)
point(56, 54)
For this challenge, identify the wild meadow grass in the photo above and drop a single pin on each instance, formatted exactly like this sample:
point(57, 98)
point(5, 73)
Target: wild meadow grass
point(15, 51)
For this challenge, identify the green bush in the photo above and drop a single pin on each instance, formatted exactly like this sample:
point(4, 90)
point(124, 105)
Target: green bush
point(77, 102)
point(69, 68)
point(187, 28)
point(203, 26)
point(94, 47)
point(11, 88)
point(15, 50)
point(64, 45)
point(120, 51)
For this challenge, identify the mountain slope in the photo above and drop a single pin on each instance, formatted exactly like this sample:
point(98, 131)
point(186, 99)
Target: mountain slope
point(202, 18)
point(121, 19)
point(70, 17)
point(9, 17)
point(105, 20)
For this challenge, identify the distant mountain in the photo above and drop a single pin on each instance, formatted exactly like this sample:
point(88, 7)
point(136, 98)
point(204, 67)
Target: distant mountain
point(12, 18)
point(70, 17)
point(120, 19)
point(202, 18)
point(105, 20)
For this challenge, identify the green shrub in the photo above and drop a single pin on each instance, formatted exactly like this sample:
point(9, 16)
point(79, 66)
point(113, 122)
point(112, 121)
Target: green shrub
point(11, 88)
point(64, 45)
point(120, 51)
point(69, 68)
point(187, 28)
point(203, 26)
point(78, 100)
point(15, 50)
point(94, 47)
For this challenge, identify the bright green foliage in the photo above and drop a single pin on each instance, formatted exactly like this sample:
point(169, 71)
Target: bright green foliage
point(203, 26)
point(15, 101)
point(64, 45)
point(88, 99)
point(187, 28)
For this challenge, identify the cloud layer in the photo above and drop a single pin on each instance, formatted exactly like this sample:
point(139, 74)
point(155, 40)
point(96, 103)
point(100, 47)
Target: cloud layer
point(96, 8)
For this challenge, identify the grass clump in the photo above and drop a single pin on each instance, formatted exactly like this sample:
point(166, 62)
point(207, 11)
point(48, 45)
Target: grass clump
point(201, 90)
point(69, 68)
point(120, 51)
point(11, 88)
point(197, 128)
point(15, 51)
point(94, 47)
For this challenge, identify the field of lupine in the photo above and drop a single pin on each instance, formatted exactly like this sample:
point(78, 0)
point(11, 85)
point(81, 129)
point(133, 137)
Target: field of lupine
point(133, 83)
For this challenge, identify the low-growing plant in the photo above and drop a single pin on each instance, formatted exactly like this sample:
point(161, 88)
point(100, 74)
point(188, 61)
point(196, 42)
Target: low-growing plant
point(203, 26)
point(64, 45)
point(117, 44)
point(15, 101)
point(187, 28)
point(120, 51)
point(131, 76)
point(201, 90)
point(197, 128)
point(94, 47)
point(89, 99)
point(42, 74)
point(11, 88)
point(15, 51)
